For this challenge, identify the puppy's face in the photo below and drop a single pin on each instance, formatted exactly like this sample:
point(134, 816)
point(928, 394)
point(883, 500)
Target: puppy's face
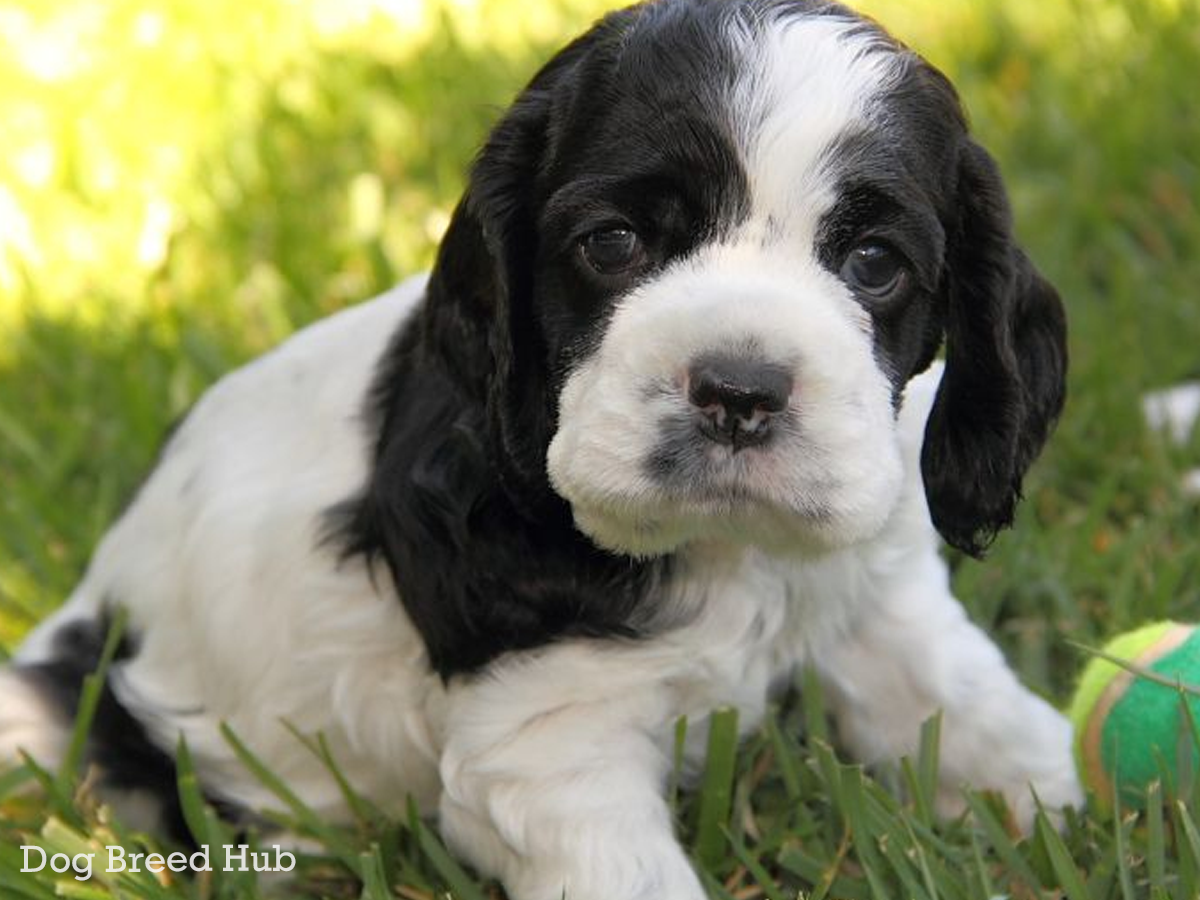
point(723, 237)
point(758, 258)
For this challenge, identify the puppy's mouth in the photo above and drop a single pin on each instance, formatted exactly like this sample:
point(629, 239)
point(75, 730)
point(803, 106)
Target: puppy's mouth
point(734, 433)
point(728, 459)
point(762, 486)
point(718, 439)
point(730, 510)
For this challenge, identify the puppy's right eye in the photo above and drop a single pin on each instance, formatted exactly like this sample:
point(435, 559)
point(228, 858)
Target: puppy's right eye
point(612, 251)
point(875, 269)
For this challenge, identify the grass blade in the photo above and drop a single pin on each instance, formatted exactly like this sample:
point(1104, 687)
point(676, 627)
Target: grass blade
point(461, 885)
point(1121, 843)
point(712, 887)
point(1156, 852)
point(761, 876)
point(896, 841)
point(89, 698)
point(1001, 843)
point(677, 761)
point(918, 851)
point(16, 884)
point(981, 869)
point(1188, 839)
point(831, 774)
point(374, 876)
point(56, 791)
point(1183, 687)
point(306, 817)
point(716, 788)
point(364, 810)
point(191, 797)
point(816, 727)
point(1065, 870)
point(785, 757)
point(12, 780)
point(929, 763)
point(1189, 745)
point(824, 876)
point(863, 834)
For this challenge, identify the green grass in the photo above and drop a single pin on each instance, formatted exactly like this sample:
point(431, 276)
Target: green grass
point(187, 195)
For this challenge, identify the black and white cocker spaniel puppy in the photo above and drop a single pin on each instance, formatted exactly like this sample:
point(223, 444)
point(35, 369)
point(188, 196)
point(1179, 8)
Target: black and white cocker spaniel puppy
point(652, 434)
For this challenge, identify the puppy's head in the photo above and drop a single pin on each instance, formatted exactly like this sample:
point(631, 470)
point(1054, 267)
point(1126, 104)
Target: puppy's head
point(706, 249)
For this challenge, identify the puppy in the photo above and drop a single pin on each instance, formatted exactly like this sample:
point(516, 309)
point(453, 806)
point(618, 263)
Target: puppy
point(651, 435)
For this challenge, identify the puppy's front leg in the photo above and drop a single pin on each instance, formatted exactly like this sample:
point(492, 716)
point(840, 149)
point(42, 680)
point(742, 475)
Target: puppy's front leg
point(553, 772)
point(913, 652)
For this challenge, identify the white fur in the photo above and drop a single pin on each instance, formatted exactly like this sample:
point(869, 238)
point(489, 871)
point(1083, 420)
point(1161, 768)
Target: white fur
point(808, 83)
point(548, 768)
point(243, 616)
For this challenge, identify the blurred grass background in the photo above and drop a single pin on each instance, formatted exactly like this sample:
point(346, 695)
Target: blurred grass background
point(183, 184)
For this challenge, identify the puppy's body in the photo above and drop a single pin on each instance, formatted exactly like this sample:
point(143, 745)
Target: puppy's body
point(256, 621)
point(318, 644)
point(650, 436)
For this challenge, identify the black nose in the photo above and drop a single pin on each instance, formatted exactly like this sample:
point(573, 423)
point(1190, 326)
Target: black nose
point(737, 398)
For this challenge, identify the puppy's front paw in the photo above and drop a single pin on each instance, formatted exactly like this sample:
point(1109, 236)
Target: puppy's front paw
point(1055, 791)
point(585, 859)
point(1044, 768)
point(639, 878)
point(1027, 769)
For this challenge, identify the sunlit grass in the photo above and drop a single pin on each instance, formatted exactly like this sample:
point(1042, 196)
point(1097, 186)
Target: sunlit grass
point(112, 113)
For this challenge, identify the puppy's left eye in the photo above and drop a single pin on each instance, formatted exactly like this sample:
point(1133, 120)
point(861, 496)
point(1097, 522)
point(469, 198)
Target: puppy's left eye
point(874, 269)
point(612, 251)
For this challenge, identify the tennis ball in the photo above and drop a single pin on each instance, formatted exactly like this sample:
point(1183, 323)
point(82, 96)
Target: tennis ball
point(1127, 728)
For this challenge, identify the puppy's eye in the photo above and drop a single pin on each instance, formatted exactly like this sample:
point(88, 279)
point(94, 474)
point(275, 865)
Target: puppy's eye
point(612, 250)
point(874, 269)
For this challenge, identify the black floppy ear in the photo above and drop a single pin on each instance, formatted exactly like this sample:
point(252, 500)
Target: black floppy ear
point(458, 501)
point(1006, 360)
point(479, 305)
point(480, 295)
